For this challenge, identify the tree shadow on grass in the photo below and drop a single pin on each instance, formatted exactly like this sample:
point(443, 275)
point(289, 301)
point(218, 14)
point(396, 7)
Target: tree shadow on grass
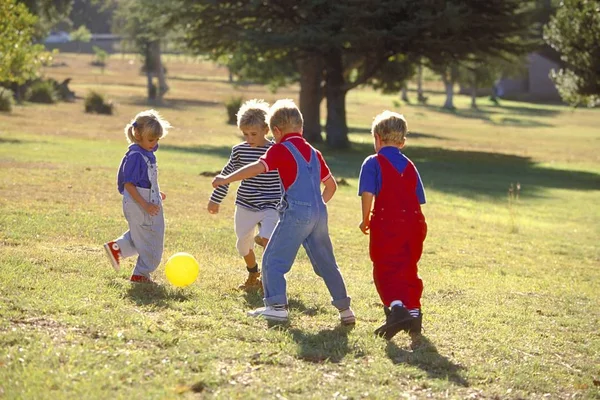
point(425, 356)
point(486, 114)
point(411, 134)
point(175, 104)
point(470, 174)
point(156, 295)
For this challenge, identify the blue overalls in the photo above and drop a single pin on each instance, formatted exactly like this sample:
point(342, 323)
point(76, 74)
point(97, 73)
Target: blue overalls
point(146, 233)
point(302, 221)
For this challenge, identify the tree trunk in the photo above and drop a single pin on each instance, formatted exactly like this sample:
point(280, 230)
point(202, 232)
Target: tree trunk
point(404, 95)
point(473, 93)
point(159, 70)
point(336, 127)
point(420, 96)
point(449, 78)
point(311, 74)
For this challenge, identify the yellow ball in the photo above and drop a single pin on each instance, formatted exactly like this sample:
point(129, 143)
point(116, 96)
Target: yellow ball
point(182, 269)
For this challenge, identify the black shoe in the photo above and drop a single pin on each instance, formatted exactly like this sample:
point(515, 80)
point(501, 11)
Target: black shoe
point(398, 319)
point(415, 328)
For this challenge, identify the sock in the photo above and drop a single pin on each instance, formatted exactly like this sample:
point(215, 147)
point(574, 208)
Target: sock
point(414, 312)
point(253, 269)
point(396, 303)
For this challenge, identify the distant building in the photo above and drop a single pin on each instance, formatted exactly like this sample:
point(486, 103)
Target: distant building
point(535, 84)
point(106, 41)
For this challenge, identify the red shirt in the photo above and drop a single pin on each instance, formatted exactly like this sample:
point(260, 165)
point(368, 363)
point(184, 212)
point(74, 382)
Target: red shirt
point(279, 158)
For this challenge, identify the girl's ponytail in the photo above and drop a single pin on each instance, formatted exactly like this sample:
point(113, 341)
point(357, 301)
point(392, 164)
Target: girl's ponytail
point(129, 133)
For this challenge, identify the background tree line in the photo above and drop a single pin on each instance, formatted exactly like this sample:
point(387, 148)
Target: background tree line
point(330, 48)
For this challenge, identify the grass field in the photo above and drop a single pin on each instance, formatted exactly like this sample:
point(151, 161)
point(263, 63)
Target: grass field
point(512, 283)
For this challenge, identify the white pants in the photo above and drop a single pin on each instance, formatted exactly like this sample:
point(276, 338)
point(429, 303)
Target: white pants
point(245, 222)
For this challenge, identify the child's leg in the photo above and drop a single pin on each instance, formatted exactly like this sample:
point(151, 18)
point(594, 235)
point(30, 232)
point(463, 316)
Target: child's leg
point(279, 257)
point(320, 251)
point(148, 239)
point(126, 245)
point(267, 226)
point(245, 222)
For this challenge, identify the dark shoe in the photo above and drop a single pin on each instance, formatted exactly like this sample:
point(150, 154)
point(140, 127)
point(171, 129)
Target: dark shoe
point(415, 328)
point(397, 319)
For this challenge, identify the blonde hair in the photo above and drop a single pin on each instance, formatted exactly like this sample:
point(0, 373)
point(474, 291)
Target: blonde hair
point(285, 115)
point(391, 127)
point(146, 123)
point(253, 113)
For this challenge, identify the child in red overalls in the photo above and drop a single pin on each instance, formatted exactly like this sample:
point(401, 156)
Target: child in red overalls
point(397, 227)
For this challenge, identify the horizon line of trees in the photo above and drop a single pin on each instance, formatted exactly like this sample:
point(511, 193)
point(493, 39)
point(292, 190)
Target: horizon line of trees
point(329, 48)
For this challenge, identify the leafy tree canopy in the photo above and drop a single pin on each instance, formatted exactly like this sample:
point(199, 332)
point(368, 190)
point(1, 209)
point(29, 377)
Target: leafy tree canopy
point(20, 59)
point(575, 33)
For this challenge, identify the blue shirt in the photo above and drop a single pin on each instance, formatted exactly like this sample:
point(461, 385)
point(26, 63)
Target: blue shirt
point(133, 168)
point(370, 172)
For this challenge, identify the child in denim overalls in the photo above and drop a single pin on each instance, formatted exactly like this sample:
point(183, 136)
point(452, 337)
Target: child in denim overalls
point(137, 181)
point(303, 214)
point(397, 227)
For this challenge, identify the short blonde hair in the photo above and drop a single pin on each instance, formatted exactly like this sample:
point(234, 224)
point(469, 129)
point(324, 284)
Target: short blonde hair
point(390, 126)
point(285, 115)
point(253, 113)
point(146, 123)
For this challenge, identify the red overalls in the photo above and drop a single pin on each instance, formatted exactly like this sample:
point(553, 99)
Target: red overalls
point(398, 230)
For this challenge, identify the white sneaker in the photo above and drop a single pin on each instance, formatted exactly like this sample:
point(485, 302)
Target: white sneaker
point(347, 316)
point(276, 312)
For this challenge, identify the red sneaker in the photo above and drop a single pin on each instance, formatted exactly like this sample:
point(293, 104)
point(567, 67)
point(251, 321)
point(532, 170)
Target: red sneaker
point(140, 279)
point(113, 252)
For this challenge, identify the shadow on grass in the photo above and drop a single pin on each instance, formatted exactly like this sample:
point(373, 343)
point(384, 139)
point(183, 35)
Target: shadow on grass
point(425, 356)
point(328, 345)
point(176, 104)
point(411, 134)
point(486, 113)
point(470, 174)
point(11, 141)
point(156, 295)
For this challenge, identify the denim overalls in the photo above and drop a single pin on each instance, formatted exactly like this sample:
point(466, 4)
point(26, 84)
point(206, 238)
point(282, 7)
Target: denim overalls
point(146, 233)
point(302, 221)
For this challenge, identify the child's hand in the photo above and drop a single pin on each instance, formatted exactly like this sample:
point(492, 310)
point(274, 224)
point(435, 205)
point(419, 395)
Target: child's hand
point(152, 209)
point(212, 207)
point(163, 195)
point(364, 227)
point(218, 180)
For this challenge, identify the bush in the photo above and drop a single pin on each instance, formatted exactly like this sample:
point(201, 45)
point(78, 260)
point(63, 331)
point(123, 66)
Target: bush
point(41, 92)
point(6, 99)
point(233, 105)
point(95, 103)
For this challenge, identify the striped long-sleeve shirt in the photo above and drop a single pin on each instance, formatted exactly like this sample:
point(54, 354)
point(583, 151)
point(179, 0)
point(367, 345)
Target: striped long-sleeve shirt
point(258, 193)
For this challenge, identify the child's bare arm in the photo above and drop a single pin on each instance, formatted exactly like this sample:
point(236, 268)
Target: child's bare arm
point(150, 208)
point(330, 188)
point(366, 200)
point(246, 172)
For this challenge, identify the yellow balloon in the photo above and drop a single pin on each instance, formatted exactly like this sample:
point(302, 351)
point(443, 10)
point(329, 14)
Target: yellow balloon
point(182, 269)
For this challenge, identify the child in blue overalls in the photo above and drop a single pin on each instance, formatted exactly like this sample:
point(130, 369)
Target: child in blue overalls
point(137, 181)
point(303, 214)
point(396, 225)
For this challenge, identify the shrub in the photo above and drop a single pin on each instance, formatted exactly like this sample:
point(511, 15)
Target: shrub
point(6, 99)
point(41, 92)
point(95, 103)
point(233, 105)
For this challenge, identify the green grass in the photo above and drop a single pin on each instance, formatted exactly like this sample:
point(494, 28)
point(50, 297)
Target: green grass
point(512, 293)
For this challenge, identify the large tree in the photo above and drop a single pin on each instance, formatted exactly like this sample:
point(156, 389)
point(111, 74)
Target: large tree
point(341, 45)
point(144, 23)
point(20, 58)
point(575, 33)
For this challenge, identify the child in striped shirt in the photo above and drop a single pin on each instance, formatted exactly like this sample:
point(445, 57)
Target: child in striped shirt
point(257, 197)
